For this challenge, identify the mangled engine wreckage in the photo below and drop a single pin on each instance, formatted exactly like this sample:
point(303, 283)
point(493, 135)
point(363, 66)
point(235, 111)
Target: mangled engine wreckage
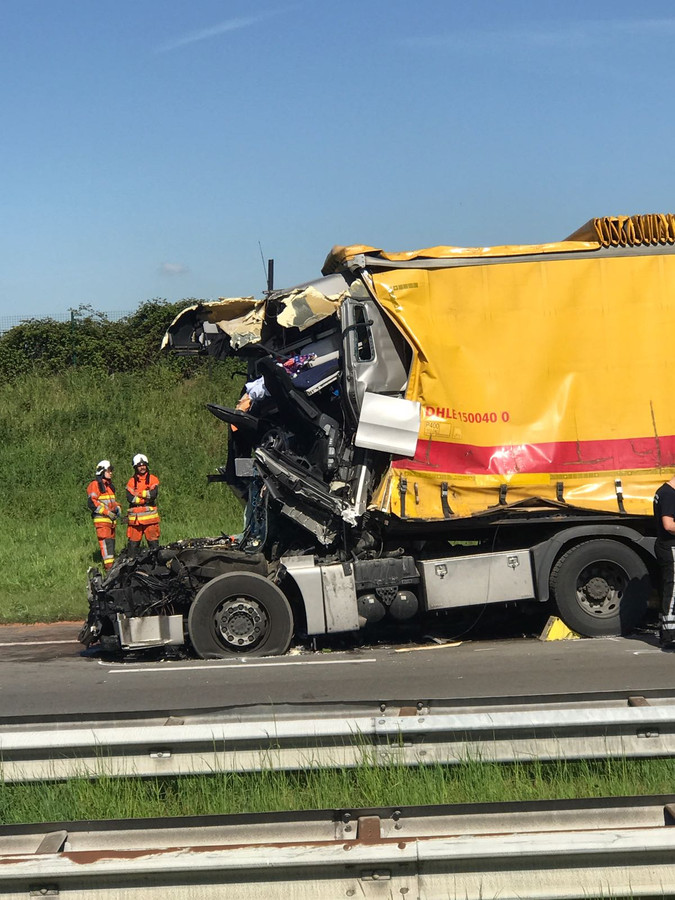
point(424, 431)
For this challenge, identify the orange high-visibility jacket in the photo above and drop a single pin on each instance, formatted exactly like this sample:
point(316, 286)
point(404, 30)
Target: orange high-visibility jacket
point(142, 499)
point(101, 501)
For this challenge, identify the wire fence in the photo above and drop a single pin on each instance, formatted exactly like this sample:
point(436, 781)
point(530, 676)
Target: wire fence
point(9, 322)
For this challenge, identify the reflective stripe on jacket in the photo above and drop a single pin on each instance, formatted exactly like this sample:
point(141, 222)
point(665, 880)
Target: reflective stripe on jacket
point(101, 500)
point(142, 499)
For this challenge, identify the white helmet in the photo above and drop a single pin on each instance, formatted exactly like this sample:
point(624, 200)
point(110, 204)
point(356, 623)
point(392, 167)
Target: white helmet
point(138, 459)
point(102, 466)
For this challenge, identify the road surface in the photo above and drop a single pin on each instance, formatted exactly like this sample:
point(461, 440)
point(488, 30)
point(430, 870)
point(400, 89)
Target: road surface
point(45, 672)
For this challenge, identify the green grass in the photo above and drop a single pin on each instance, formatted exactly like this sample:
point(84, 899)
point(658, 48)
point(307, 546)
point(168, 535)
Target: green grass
point(364, 786)
point(55, 429)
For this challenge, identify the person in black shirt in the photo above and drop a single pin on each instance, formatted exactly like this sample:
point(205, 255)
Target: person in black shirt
point(664, 513)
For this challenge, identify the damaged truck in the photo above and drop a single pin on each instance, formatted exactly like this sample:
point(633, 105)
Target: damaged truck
point(423, 432)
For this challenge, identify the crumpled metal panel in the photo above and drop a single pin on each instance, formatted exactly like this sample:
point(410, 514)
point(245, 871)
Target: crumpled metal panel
point(239, 317)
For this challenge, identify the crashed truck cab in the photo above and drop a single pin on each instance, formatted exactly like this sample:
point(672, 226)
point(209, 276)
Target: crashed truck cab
point(328, 373)
point(423, 431)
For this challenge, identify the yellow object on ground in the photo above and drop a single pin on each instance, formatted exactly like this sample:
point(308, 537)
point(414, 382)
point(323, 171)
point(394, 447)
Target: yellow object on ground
point(556, 630)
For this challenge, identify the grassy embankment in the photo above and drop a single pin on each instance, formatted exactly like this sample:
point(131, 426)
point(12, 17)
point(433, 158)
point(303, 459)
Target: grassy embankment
point(55, 429)
point(364, 786)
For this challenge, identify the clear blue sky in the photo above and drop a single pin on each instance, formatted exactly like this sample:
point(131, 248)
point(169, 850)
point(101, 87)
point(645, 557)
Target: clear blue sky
point(149, 146)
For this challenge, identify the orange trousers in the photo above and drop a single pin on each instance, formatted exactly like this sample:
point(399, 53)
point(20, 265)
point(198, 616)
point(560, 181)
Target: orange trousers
point(135, 532)
point(105, 532)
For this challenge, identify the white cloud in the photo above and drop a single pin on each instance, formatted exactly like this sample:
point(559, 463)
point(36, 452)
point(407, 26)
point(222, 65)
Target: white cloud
point(215, 30)
point(173, 269)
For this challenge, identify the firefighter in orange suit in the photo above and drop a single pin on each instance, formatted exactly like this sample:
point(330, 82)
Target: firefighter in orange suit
point(143, 517)
point(105, 510)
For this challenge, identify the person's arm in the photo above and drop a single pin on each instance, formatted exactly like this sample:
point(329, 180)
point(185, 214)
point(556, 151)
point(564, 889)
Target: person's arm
point(146, 495)
point(97, 506)
point(134, 497)
point(668, 523)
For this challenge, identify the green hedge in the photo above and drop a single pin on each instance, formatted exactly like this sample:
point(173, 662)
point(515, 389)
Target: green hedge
point(91, 340)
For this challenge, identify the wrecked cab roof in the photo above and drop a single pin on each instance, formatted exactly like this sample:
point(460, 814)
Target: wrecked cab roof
point(238, 321)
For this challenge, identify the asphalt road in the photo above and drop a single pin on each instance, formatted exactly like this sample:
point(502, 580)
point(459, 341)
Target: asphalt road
point(44, 672)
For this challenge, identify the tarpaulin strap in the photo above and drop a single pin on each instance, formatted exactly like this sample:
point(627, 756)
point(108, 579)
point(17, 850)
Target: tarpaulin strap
point(619, 494)
point(559, 491)
point(402, 491)
point(447, 511)
point(503, 488)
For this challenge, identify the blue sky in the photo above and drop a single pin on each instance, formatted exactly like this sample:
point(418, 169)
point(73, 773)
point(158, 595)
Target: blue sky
point(149, 148)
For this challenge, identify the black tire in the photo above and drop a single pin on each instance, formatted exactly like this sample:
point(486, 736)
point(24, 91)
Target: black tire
point(240, 614)
point(600, 587)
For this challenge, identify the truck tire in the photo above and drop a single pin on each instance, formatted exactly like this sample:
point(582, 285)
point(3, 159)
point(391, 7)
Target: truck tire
point(240, 614)
point(600, 587)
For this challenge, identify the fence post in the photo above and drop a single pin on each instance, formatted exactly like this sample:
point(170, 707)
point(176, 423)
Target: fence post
point(72, 334)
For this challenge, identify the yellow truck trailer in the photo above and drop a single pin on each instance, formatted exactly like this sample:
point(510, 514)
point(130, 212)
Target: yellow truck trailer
point(435, 429)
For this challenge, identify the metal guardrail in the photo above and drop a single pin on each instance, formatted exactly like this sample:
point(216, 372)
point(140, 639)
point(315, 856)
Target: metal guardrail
point(623, 847)
point(301, 739)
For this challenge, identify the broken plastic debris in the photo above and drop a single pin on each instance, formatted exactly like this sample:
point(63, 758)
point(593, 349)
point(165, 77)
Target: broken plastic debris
point(303, 308)
point(350, 516)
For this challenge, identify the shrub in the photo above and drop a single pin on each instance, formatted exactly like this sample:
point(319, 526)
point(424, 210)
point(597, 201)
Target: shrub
point(91, 340)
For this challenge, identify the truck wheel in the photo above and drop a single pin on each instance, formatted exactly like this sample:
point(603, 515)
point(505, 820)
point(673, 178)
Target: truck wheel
point(600, 587)
point(240, 613)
